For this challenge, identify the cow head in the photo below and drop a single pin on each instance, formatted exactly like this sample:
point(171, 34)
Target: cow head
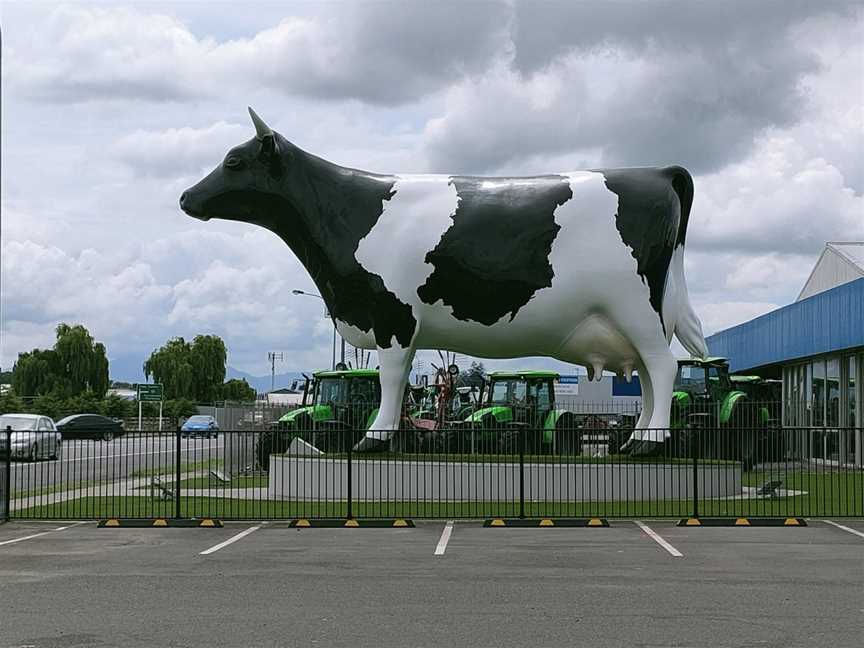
point(250, 183)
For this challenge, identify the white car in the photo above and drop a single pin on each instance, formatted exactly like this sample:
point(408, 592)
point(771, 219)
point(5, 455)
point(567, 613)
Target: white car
point(33, 437)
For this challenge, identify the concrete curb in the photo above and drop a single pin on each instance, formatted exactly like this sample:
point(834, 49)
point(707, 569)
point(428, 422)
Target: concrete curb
point(308, 523)
point(141, 523)
point(546, 522)
point(743, 521)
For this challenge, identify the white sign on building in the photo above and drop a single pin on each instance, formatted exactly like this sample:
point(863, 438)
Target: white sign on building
point(567, 386)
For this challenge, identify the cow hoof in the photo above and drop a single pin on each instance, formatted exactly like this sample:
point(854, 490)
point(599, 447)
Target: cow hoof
point(368, 444)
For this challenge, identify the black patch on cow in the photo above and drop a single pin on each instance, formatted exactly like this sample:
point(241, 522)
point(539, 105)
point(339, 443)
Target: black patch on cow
point(321, 211)
point(653, 211)
point(495, 256)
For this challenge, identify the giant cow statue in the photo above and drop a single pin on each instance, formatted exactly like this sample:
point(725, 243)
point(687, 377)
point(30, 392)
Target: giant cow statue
point(586, 267)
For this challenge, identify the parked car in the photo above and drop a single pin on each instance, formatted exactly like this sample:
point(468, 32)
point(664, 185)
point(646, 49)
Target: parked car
point(90, 426)
point(33, 437)
point(200, 425)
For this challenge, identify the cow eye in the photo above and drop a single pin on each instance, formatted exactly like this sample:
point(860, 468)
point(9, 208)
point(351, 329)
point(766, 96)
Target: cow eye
point(234, 163)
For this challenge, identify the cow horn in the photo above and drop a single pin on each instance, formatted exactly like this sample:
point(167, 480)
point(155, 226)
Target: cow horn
point(261, 129)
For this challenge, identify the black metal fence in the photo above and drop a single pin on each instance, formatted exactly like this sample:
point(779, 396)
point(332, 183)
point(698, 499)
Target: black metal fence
point(460, 471)
point(5, 475)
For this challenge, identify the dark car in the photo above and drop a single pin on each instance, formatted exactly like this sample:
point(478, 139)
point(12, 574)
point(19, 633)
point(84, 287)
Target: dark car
point(89, 426)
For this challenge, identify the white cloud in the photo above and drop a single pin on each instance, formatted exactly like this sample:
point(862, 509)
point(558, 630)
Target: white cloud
point(109, 113)
point(176, 151)
point(369, 52)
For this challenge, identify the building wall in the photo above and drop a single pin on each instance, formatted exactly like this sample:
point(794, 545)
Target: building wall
point(828, 322)
point(833, 269)
point(604, 396)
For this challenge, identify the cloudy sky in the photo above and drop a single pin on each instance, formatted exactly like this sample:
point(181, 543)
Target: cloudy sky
point(109, 111)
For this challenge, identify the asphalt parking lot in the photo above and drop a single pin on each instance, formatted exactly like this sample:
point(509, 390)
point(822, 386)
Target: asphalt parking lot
point(75, 585)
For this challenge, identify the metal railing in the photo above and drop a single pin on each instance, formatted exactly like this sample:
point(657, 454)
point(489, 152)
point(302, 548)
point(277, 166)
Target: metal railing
point(510, 469)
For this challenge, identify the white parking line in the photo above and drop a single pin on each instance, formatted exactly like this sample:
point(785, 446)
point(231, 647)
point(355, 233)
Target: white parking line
point(39, 535)
point(445, 538)
point(845, 528)
point(659, 540)
point(230, 540)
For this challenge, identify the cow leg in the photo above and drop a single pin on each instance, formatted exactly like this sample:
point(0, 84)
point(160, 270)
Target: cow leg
point(634, 444)
point(394, 367)
point(661, 368)
point(647, 397)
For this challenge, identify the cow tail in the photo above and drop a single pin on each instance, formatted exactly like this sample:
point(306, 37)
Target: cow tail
point(687, 326)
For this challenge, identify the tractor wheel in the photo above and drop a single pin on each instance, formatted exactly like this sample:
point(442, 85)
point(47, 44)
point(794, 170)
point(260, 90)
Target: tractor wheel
point(568, 436)
point(471, 438)
point(271, 442)
point(741, 438)
point(407, 440)
point(510, 440)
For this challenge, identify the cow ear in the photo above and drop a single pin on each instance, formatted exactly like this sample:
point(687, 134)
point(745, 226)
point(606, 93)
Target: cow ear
point(269, 148)
point(269, 154)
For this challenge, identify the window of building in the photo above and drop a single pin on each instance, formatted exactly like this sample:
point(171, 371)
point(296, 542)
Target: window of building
point(817, 392)
point(832, 391)
point(851, 391)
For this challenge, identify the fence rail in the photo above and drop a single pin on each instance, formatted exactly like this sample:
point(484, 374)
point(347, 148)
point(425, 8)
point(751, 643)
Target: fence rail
point(456, 472)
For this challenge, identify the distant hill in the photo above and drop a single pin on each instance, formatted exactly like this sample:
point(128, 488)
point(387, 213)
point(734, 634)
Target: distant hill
point(128, 369)
point(261, 384)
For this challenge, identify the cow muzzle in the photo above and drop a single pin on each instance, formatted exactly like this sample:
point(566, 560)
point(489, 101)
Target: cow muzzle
point(188, 205)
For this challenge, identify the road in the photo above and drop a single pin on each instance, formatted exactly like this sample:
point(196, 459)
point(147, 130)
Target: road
point(85, 462)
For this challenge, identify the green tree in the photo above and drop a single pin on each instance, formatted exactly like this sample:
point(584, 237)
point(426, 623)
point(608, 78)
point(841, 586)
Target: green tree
point(47, 405)
point(474, 377)
point(117, 407)
point(34, 373)
point(209, 356)
point(180, 408)
point(238, 391)
point(171, 365)
point(76, 365)
point(192, 371)
point(9, 403)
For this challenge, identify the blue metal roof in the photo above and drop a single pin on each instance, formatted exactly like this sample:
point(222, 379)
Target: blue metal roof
point(829, 321)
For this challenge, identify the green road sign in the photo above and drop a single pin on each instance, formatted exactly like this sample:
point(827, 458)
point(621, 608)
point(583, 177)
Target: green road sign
point(150, 393)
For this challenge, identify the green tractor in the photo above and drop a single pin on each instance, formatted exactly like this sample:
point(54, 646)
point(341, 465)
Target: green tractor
point(338, 407)
point(516, 403)
point(734, 414)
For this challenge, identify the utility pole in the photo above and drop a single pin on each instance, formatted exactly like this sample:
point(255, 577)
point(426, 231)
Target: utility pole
point(273, 356)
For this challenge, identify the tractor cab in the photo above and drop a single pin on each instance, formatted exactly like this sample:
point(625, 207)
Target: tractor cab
point(343, 398)
point(519, 403)
point(522, 397)
point(707, 378)
point(338, 406)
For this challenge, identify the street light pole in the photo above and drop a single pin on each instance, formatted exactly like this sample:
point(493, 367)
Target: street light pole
point(332, 319)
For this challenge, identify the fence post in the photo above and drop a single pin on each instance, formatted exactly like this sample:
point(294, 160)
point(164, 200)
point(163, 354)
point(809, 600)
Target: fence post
point(7, 478)
point(177, 475)
point(350, 432)
point(694, 451)
point(522, 471)
point(697, 425)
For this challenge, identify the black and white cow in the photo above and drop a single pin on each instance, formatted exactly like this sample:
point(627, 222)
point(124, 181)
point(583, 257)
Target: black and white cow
point(586, 267)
